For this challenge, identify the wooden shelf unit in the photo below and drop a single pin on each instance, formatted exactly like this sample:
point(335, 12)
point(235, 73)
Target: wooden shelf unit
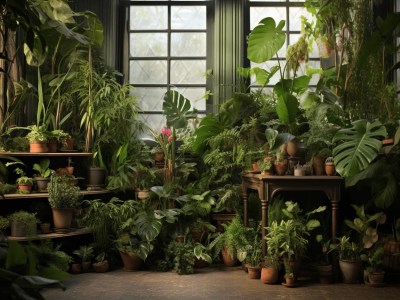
point(47, 154)
point(45, 195)
point(53, 235)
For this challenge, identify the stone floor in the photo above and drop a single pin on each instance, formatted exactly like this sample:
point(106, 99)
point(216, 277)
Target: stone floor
point(215, 282)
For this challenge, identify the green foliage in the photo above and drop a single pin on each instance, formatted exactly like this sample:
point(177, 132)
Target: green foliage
point(43, 168)
point(177, 110)
point(374, 258)
point(357, 146)
point(234, 238)
point(4, 223)
point(61, 193)
point(25, 219)
point(37, 133)
point(347, 250)
point(182, 257)
point(23, 179)
point(85, 252)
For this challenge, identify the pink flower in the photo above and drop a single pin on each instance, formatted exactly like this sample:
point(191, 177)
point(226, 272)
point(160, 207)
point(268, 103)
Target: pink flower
point(166, 131)
point(170, 138)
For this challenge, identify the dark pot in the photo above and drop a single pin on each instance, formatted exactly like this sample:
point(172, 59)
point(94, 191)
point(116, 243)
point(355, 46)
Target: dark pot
point(41, 184)
point(96, 177)
point(131, 262)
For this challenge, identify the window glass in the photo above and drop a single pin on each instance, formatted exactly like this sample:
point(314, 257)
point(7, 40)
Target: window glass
point(148, 17)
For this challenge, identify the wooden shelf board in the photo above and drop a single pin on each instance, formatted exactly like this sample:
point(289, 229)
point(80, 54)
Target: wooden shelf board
point(60, 154)
point(53, 235)
point(45, 195)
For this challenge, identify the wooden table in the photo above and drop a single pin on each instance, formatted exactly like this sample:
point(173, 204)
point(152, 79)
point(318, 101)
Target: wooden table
point(267, 186)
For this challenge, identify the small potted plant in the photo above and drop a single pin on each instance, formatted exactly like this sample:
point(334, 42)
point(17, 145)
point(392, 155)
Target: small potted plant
point(24, 182)
point(330, 168)
point(266, 167)
point(280, 164)
point(101, 265)
point(373, 260)
point(38, 137)
point(86, 254)
point(23, 223)
point(63, 198)
point(43, 178)
point(55, 137)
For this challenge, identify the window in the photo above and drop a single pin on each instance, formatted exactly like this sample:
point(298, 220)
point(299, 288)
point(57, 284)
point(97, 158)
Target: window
point(168, 49)
point(290, 11)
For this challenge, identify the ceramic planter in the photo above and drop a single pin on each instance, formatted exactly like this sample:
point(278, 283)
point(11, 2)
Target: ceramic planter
point(96, 177)
point(62, 218)
point(269, 275)
point(75, 268)
point(41, 184)
point(52, 145)
point(318, 165)
point(351, 271)
point(45, 228)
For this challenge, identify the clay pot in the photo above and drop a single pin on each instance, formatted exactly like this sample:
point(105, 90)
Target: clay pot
point(25, 187)
point(131, 262)
point(70, 170)
point(318, 165)
point(100, 267)
point(280, 167)
point(292, 148)
point(52, 145)
point(96, 177)
point(158, 156)
point(330, 169)
point(229, 261)
point(45, 228)
point(38, 147)
point(351, 271)
point(254, 272)
point(269, 275)
point(62, 218)
point(289, 281)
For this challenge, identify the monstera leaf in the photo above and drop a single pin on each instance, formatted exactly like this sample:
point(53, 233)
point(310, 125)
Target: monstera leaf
point(287, 107)
point(177, 109)
point(265, 40)
point(357, 146)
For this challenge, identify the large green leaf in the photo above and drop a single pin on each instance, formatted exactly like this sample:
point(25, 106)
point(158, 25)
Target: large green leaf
point(287, 107)
point(148, 226)
point(357, 146)
point(209, 127)
point(265, 40)
point(177, 109)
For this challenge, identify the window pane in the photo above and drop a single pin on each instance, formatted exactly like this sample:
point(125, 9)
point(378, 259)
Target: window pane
point(294, 17)
point(195, 95)
point(148, 44)
point(188, 44)
point(259, 13)
point(188, 17)
point(148, 17)
point(154, 121)
point(149, 98)
point(188, 72)
point(148, 72)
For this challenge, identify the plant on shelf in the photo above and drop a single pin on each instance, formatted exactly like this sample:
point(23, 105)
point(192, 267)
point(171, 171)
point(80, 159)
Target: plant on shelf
point(4, 224)
point(23, 223)
point(63, 198)
point(43, 178)
point(24, 182)
point(231, 241)
point(85, 252)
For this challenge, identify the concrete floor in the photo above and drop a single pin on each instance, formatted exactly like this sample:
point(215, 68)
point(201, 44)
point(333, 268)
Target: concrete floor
point(215, 282)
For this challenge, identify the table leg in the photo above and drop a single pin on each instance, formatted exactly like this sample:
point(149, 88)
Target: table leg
point(245, 206)
point(264, 223)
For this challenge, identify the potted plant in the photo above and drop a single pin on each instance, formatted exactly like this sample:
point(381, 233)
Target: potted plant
point(158, 153)
point(54, 138)
point(63, 198)
point(266, 167)
point(86, 254)
point(38, 138)
point(101, 265)
point(280, 164)
point(270, 269)
point(373, 260)
point(23, 223)
point(24, 182)
point(391, 259)
point(181, 255)
point(230, 242)
point(202, 254)
point(43, 178)
point(324, 265)
point(145, 177)
point(254, 256)
point(330, 169)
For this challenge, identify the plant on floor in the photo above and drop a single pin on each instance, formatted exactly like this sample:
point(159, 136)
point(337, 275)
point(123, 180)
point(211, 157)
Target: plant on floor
point(233, 239)
point(182, 257)
point(85, 252)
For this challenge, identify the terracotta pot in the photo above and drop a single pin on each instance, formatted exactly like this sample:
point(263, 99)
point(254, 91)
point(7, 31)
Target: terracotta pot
point(254, 272)
point(290, 281)
point(318, 165)
point(269, 275)
point(158, 156)
point(62, 218)
point(100, 267)
point(143, 194)
point(292, 148)
point(70, 170)
point(330, 169)
point(256, 167)
point(68, 144)
point(41, 184)
point(376, 277)
point(75, 268)
point(391, 256)
point(52, 145)
point(25, 187)
point(229, 261)
point(131, 262)
point(45, 228)
point(38, 147)
point(280, 168)
point(351, 271)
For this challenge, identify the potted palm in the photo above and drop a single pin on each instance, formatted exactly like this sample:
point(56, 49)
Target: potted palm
point(43, 178)
point(63, 198)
